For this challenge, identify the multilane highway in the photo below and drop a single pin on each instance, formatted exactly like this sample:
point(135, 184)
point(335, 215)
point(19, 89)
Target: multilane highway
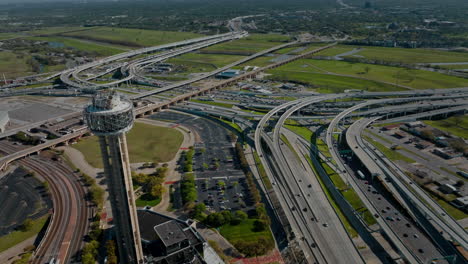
point(297, 105)
point(446, 223)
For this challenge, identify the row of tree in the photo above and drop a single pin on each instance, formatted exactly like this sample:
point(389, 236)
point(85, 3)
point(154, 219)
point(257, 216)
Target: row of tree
point(188, 189)
point(90, 251)
point(187, 159)
point(95, 192)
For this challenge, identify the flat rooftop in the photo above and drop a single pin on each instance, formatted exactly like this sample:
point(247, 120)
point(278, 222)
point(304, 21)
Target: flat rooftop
point(170, 233)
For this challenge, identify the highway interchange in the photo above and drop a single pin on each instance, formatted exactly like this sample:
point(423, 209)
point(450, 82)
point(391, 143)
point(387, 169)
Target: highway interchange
point(424, 232)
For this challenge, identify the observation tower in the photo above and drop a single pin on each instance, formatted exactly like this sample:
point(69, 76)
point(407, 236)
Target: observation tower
point(109, 117)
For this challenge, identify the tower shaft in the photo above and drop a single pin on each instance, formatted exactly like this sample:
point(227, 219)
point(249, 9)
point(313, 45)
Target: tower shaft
point(117, 170)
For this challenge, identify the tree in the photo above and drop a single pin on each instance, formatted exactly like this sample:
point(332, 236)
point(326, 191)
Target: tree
point(457, 120)
point(96, 195)
point(205, 166)
point(111, 252)
point(88, 258)
point(140, 178)
point(27, 225)
point(427, 134)
point(241, 215)
point(199, 211)
point(157, 190)
point(367, 69)
point(221, 184)
point(367, 4)
point(259, 225)
point(227, 215)
point(88, 180)
point(90, 252)
point(215, 220)
point(216, 165)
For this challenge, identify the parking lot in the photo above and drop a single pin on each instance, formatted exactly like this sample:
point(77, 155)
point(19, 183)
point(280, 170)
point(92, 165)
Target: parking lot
point(220, 182)
point(21, 196)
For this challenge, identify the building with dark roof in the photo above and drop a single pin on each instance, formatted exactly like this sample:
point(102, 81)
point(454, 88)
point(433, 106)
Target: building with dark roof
point(168, 240)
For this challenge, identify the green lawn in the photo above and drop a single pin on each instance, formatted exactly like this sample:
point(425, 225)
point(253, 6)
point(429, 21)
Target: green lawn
point(249, 45)
point(259, 62)
point(100, 49)
point(311, 47)
point(196, 62)
point(146, 143)
point(231, 124)
point(15, 237)
point(56, 30)
point(450, 125)
point(147, 200)
point(132, 37)
point(411, 55)
point(13, 65)
point(326, 83)
point(413, 78)
point(243, 231)
point(9, 35)
point(451, 210)
point(297, 128)
point(336, 50)
point(453, 66)
point(393, 155)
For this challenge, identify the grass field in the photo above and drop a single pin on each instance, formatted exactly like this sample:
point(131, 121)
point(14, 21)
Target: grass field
point(313, 72)
point(417, 79)
point(336, 50)
point(243, 231)
point(195, 62)
point(101, 49)
point(132, 37)
point(259, 62)
point(451, 210)
point(13, 65)
point(326, 83)
point(9, 35)
point(56, 30)
point(411, 55)
point(297, 128)
point(146, 143)
point(146, 200)
point(391, 154)
point(457, 126)
point(454, 66)
point(16, 237)
point(249, 45)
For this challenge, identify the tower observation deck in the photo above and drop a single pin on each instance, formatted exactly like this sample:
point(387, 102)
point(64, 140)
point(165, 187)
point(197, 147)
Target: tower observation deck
point(110, 116)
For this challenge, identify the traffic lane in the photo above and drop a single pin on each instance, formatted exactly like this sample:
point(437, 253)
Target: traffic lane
point(400, 227)
point(335, 239)
point(320, 231)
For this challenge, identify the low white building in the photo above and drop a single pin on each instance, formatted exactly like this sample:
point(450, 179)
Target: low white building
point(4, 121)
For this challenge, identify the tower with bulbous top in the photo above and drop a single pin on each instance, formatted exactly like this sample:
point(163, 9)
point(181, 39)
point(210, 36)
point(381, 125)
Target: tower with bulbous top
point(109, 117)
